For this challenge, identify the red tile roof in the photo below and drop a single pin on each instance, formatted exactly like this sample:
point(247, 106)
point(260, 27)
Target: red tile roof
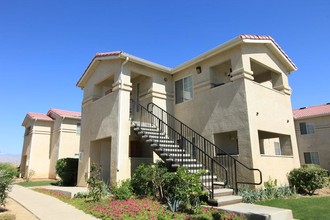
point(112, 53)
point(64, 113)
point(39, 116)
point(267, 37)
point(313, 111)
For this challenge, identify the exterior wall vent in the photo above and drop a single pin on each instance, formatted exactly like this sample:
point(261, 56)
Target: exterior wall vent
point(302, 107)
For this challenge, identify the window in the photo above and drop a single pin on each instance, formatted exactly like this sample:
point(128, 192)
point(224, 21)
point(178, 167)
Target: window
point(277, 147)
point(183, 90)
point(274, 144)
point(312, 158)
point(78, 128)
point(306, 128)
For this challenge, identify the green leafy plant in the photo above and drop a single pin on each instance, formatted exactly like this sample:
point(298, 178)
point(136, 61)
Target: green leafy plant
point(269, 192)
point(96, 186)
point(173, 204)
point(141, 180)
point(148, 180)
point(184, 187)
point(308, 178)
point(123, 190)
point(7, 175)
point(67, 169)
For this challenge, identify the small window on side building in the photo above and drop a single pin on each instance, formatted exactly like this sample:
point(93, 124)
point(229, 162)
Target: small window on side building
point(312, 158)
point(306, 128)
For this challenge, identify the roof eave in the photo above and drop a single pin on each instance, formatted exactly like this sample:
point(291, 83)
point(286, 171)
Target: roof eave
point(227, 45)
point(121, 55)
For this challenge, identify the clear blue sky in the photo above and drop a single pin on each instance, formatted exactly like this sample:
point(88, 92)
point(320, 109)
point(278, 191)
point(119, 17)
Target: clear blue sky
point(46, 45)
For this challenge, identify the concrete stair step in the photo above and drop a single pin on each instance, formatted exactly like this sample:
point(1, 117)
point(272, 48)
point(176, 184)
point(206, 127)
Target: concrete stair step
point(208, 177)
point(165, 145)
point(142, 124)
point(190, 166)
point(258, 212)
point(216, 184)
point(168, 150)
point(178, 161)
point(173, 155)
point(226, 200)
point(223, 192)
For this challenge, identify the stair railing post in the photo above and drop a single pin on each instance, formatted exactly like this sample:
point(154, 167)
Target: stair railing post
point(181, 145)
point(158, 133)
point(140, 117)
point(212, 181)
point(235, 177)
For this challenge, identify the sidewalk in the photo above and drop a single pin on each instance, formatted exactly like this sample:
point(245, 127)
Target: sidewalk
point(46, 207)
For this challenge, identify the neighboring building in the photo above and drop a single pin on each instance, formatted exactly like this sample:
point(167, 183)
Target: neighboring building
point(49, 137)
point(236, 95)
point(313, 132)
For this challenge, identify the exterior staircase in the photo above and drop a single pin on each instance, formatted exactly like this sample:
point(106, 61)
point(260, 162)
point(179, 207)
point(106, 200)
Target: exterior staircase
point(178, 145)
point(174, 156)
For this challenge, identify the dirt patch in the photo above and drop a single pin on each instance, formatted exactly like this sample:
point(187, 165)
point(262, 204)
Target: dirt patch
point(323, 192)
point(13, 208)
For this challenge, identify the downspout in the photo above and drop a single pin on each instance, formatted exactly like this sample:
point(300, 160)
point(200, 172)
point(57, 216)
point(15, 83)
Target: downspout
point(119, 111)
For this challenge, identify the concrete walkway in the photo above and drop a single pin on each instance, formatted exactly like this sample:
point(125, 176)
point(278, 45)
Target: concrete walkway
point(46, 207)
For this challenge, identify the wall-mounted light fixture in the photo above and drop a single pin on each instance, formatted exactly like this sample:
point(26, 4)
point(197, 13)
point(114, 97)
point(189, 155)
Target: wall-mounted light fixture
point(198, 69)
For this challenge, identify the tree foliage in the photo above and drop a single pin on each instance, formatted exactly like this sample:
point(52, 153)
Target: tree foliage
point(67, 169)
point(7, 174)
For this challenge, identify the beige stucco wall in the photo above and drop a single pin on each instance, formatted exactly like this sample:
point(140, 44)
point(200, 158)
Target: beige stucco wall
point(270, 110)
point(36, 149)
point(105, 117)
point(317, 142)
point(233, 107)
point(65, 141)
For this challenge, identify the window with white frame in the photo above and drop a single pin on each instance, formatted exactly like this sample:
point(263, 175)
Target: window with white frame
point(183, 90)
point(306, 128)
point(78, 128)
point(312, 158)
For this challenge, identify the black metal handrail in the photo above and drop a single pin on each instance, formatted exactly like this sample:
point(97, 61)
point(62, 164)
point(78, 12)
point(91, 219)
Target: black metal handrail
point(146, 118)
point(207, 146)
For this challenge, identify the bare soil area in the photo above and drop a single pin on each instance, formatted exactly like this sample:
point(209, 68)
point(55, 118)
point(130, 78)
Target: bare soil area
point(13, 207)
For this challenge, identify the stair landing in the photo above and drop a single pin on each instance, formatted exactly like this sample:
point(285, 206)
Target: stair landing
point(258, 212)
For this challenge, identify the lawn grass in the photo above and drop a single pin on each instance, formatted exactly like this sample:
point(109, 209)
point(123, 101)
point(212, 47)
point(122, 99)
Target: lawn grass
point(37, 183)
point(304, 207)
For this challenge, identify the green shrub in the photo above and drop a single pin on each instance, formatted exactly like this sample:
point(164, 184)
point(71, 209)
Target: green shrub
point(7, 174)
point(141, 180)
point(96, 187)
point(183, 188)
point(123, 191)
point(67, 169)
point(148, 180)
point(308, 178)
point(178, 188)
